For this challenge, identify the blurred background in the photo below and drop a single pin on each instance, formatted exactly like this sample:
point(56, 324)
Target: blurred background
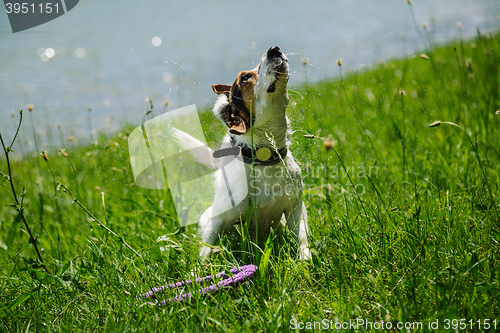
point(93, 68)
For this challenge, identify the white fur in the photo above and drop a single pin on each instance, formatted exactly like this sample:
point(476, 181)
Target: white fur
point(272, 194)
point(220, 103)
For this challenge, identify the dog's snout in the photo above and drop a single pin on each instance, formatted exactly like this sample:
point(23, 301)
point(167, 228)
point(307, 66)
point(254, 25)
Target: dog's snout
point(273, 52)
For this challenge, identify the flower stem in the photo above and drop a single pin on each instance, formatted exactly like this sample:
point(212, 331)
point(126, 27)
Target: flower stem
point(19, 206)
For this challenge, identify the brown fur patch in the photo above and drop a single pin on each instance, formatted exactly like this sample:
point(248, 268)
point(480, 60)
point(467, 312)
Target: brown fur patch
point(246, 81)
point(241, 97)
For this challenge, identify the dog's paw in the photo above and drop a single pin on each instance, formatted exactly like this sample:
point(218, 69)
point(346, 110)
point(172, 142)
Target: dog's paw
point(305, 253)
point(205, 252)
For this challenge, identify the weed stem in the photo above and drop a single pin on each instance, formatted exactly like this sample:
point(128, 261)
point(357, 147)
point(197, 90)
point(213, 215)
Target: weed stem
point(19, 206)
point(354, 111)
point(481, 166)
point(65, 189)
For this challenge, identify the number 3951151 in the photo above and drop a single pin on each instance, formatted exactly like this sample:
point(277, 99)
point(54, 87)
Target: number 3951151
point(32, 8)
point(462, 324)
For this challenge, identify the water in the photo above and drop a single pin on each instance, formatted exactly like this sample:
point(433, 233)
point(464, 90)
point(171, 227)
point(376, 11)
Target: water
point(101, 55)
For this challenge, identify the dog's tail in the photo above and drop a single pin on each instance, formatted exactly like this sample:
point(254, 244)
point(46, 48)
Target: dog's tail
point(200, 151)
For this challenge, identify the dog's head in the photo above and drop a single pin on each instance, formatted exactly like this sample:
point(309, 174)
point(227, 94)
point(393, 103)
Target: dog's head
point(254, 94)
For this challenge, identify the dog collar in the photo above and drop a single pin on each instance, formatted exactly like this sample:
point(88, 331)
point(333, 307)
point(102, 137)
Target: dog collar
point(262, 155)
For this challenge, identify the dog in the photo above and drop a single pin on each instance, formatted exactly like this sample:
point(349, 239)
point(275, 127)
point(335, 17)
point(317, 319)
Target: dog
point(263, 183)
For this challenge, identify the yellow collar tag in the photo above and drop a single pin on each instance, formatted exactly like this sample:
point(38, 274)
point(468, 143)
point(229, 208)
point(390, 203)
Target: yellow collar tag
point(263, 154)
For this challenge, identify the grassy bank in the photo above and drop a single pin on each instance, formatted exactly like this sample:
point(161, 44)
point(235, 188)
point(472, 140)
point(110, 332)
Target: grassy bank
point(404, 218)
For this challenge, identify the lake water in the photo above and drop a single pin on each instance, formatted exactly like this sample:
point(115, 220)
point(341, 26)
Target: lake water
point(109, 56)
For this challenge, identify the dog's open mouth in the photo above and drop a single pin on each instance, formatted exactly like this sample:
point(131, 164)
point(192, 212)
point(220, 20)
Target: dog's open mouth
point(277, 66)
point(272, 87)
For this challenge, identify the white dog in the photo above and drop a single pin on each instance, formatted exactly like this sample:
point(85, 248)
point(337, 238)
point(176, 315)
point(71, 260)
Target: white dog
point(263, 184)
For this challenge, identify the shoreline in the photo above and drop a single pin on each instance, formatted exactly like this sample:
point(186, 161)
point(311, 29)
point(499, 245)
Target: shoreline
point(59, 136)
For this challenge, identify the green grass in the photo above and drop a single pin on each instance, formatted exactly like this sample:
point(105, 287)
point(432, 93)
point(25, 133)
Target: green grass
point(404, 218)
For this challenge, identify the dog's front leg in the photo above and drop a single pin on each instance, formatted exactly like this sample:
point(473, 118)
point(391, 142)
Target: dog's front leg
point(297, 223)
point(210, 229)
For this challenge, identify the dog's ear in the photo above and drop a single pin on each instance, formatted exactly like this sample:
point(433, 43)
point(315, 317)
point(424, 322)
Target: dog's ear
point(238, 125)
point(221, 88)
point(222, 110)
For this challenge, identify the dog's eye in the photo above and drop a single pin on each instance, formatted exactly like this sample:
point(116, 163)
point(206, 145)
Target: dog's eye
point(245, 77)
